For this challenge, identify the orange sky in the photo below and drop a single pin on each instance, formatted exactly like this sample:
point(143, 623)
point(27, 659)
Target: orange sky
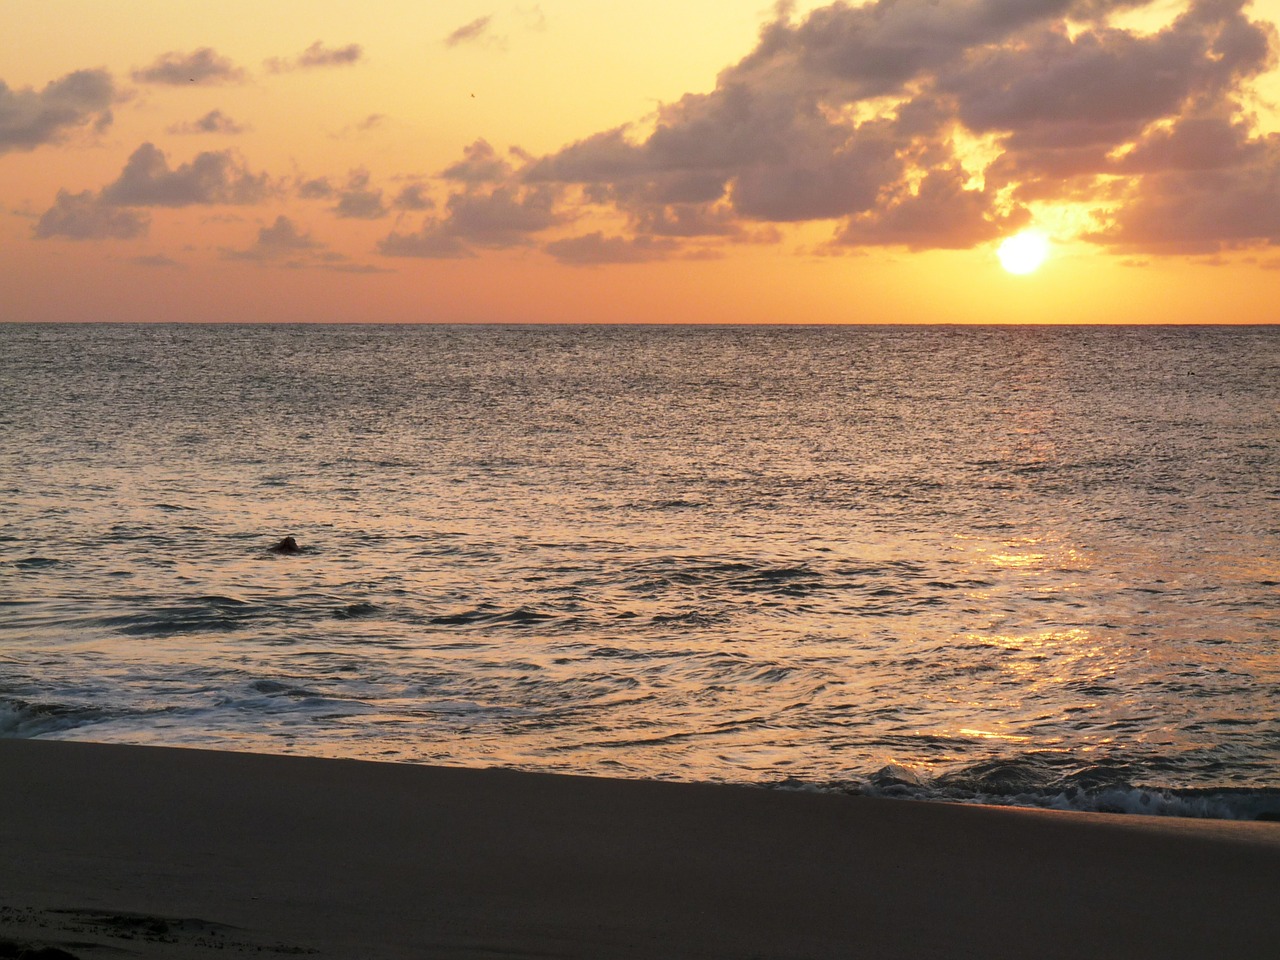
point(683, 161)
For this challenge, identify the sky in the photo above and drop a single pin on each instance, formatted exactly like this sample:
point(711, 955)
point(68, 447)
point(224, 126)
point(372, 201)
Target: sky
point(719, 161)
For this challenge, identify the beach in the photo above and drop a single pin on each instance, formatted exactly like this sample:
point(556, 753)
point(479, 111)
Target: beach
point(121, 851)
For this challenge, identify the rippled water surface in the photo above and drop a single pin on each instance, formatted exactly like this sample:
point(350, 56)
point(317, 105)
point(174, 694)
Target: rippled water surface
point(966, 562)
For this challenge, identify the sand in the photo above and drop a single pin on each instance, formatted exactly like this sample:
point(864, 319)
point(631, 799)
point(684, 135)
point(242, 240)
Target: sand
point(116, 851)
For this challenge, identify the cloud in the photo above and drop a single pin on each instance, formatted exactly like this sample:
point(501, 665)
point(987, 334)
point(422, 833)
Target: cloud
point(211, 178)
point(148, 181)
point(155, 260)
point(432, 242)
point(534, 19)
point(281, 239)
point(203, 66)
point(284, 245)
point(491, 208)
point(29, 119)
point(360, 201)
point(867, 116)
point(506, 216)
point(685, 220)
point(471, 32)
point(503, 217)
point(316, 189)
point(371, 122)
point(82, 216)
point(318, 55)
point(347, 266)
point(593, 249)
point(413, 196)
point(284, 235)
point(940, 213)
point(215, 121)
point(480, 164)
point(1198, 211)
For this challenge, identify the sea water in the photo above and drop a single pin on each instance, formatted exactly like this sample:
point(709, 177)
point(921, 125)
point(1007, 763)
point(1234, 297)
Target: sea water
point(1034, 565)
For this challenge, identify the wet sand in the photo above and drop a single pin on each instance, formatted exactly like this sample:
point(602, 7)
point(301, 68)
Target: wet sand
point(115, 851)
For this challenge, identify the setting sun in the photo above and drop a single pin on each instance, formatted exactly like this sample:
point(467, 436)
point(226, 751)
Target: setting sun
point(1023, 252)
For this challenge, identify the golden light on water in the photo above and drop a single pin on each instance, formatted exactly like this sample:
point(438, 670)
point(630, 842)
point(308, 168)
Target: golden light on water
point(1024, 252)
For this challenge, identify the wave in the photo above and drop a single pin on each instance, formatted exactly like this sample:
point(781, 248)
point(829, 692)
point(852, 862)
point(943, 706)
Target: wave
point(488, 614)
point(1029, 782)
point(24, 719)
point(205, 614)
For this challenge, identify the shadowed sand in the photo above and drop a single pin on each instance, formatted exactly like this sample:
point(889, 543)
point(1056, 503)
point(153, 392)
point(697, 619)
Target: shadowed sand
point(114, 851)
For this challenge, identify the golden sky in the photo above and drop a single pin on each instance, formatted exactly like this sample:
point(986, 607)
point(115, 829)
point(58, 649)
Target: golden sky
point(691, 161)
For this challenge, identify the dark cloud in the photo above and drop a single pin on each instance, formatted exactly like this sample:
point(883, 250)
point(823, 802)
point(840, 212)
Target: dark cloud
point(359, 200)
point(503, 217)
point(685, 220)
point(318, 189)
point(1202, 209)
point(318, 55)
point(861, 115)
point(480, 164)
point(215, 121)
point(506, 216)
point(284, 235)
point(470, 32)
point(940, 213)
point(30, 118)
point(211, 178)
point(1194, 143)
point(593, 249)
point(82, 216)
point(203, 66)
point(360, 205)
point(413, 196)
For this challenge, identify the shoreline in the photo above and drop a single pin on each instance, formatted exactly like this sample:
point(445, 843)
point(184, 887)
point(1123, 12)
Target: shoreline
point(182, 852)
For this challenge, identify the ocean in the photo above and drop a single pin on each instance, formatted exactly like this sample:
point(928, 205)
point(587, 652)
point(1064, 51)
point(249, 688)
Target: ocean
point(1028, 565)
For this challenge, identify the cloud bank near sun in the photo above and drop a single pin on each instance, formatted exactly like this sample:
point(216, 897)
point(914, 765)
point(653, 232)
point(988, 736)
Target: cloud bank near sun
point(914, 124)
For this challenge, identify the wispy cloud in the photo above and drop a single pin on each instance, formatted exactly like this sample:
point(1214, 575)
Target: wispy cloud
point(473, 32)
point(284, 244)
point(156, 260)
point(318, 55)
point(358, 129)
point(593, 249)
point(215, 121)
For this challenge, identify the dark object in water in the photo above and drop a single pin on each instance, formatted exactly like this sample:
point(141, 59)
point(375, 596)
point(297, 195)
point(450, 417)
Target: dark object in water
point(287, 545)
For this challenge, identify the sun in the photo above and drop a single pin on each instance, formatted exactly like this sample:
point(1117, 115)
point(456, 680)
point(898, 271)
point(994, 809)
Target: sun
point(1023, 252)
